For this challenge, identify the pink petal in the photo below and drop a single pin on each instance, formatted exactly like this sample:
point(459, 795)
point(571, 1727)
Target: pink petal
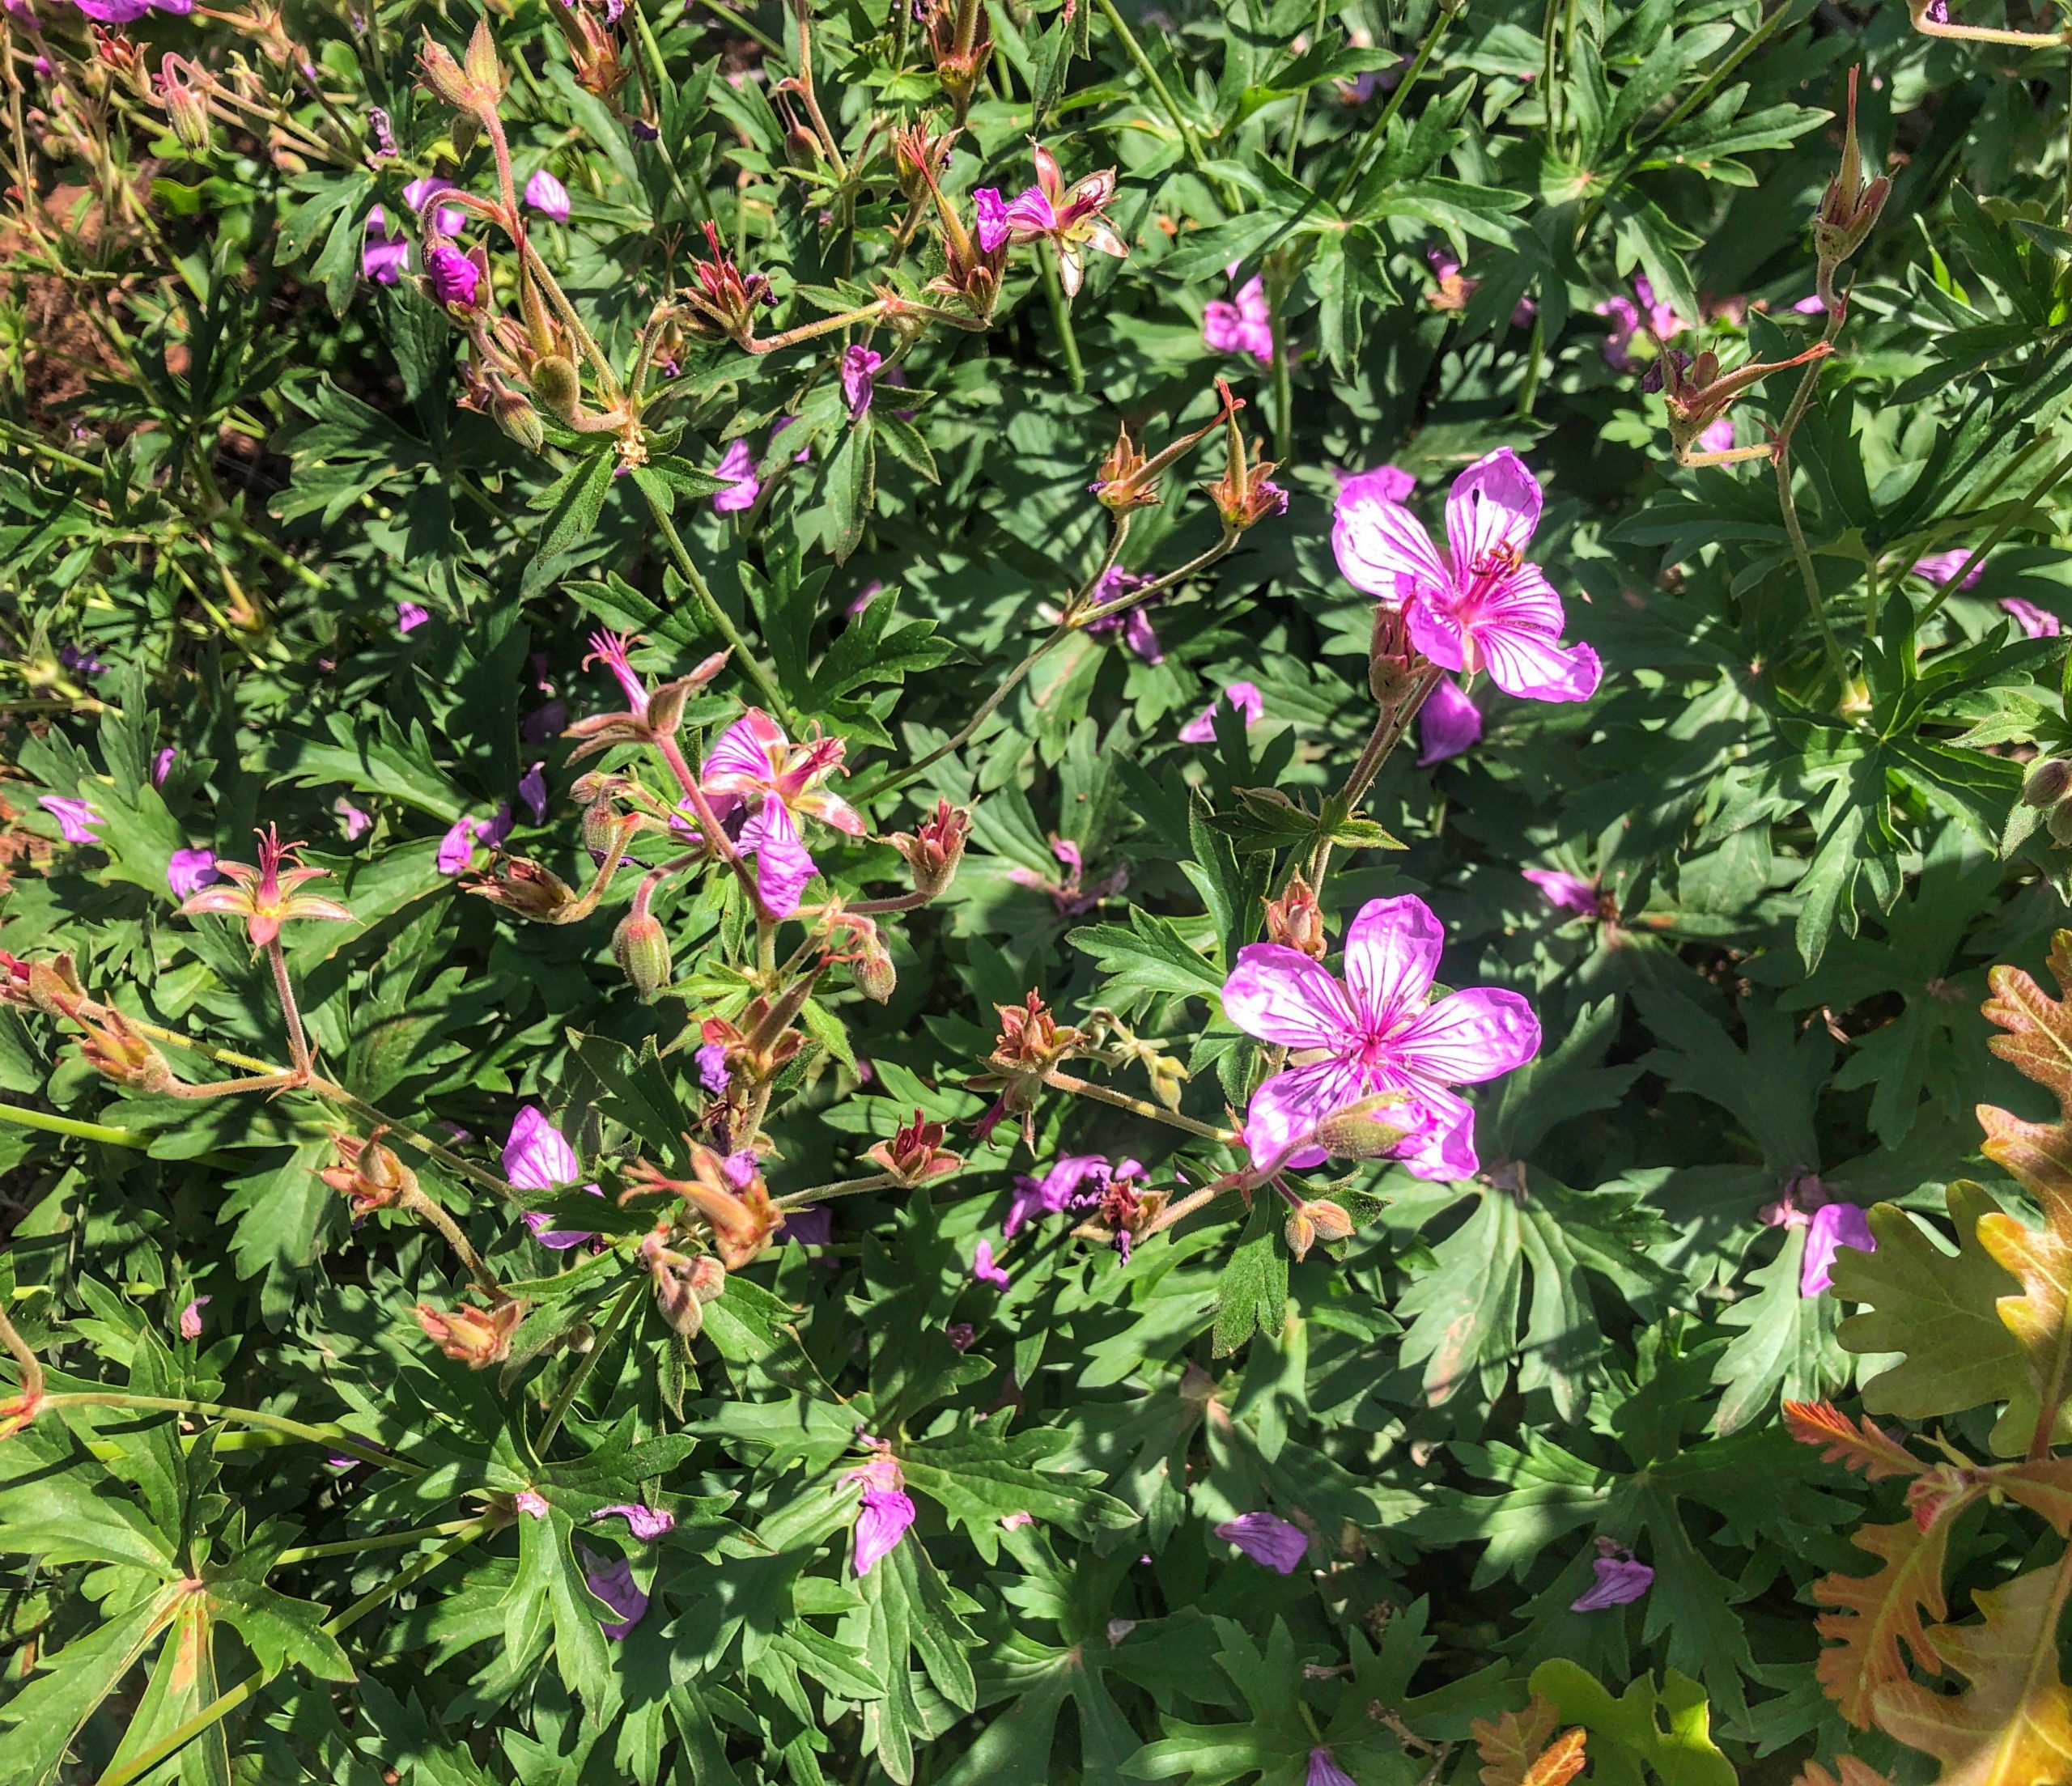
point(1469, 1036)
point(537, 1155)
point(1493, 507)
point(739, 760)
point(1392, 956)
point(1833, 1226)
point(1382, 548)
point(1621, 1581)
point(1383, 484)
point(1536, 667)
point(2037, 622)
point(1279, 994)
point(1267, 1539)
point(783, 868)
point(1448, 724)
point(737, 466)
point(886, 1514)
point(1563, 891)
point(1441, 1147)
point(1285, 1112)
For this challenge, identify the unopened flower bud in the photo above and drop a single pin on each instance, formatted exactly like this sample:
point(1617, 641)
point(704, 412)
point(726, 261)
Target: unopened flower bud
point(933, 852)
point(2046, 782)
point(1849, 208)
point(368, 1175)
point(1169, 1079)
point(1295, 920)
point(453, 278)
point(557, 384)
point(1319, 1219)
point(182, 89)
point(112, 1046)
point(1363, 1130)
point(641, 947)
point(916, 1153)
point(515, 414)
point(523, 886)
point(478, 1338)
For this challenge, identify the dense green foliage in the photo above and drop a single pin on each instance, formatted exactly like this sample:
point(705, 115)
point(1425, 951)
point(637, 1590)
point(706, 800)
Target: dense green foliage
point(321, 1463)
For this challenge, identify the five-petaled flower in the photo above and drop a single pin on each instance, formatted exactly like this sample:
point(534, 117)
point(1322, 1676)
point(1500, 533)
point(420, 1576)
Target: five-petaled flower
point(1476, 606)
point(1070, 218)
point(265, 898)
point(755, 771)
point(1376, 1032)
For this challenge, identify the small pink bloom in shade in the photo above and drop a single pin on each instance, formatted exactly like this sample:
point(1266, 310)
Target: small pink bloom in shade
point(1324, 1771)
point(1372, 1033)
point(1267, 1539)
point(755, 771)
point(1833, 1226)
point(984, 1270)
point(384, 253)
point(75, 818)
point(1625, 324)
point(161, 766)
point(1810, 306)
point(1620, 1581)
point(1564, 891)
point(1014, 1521)
point(1719, 437)
point(860, 367)
point(1244, 696)
point(190, 870)
point(737, 466)
point(447, 219)
point(533, 791)
point(456, 849)
point(885, 1515)
point(352, 819)
point(190, 1317)
point(612, 1583)
point(409, 616)
point(2037, 622)
point(547, 196)
point(1938, 568)
point(1384, 484)
point(1243, 324)
point(531, 1503)
point(1448, 724)
point(960, 1335)
point(1478, 605)
point(646, 1523)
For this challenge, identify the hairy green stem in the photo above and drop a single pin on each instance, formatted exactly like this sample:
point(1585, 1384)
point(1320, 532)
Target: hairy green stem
point(1061, 317)
point(842, 1187)
point(1390, 728)
point(1137, 1106)
point(710, 603)
point(23, 1118)
point(558, 1410)
point(386, 1541)
point(1370, 143)
point(987, 709)
point(336, 1438)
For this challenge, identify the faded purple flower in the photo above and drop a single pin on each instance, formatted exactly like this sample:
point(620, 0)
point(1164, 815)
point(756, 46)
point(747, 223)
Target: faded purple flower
point(161, 766)
point(190, 1317)
point(1833, 1225)
point(410, 615)
point(533, 791)
point(456, 849)
point(531, 1503)
point(81, 658)
point(1448, 724)
point(1324, 1771)
point(886, 1514)
point(647, 1523)
point(741, 1167)
point(737, 467)
point(1267, 1539)
point(1241, 325)
point(860, 366)
point(1478, 605)
point(384, 253)
point(712, 1071)
point(983, 1270)
point(1373, 1033)
point(810, 1224)
point(352, 819)
point(536, 1156)
point(1076, 1180)
point(543, 722)
point(1243, 696)
point(960, 1335)
point(1564, 891)
point(1133, 623)
point(75, 818)
point(547, 196)
point(1621, 1581)
point(612, 1583)
point(454, 279)
point(188, 870)
point(2037, 622)
point(1939, 567)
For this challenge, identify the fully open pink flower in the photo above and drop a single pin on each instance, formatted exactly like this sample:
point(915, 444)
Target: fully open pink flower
point(1245, 697)
point(1376, 1031)
point(1071, 218)
point(1448, 724)
point(536, 1156)
point(756, 770)
point(1477, 605)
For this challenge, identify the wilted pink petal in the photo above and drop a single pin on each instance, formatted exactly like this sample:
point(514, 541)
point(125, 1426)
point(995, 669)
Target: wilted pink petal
point(1621, 1581)
point(737, 466)
point(190, 1317)
point(1268, 1540)
point(1833, 1226)
point(75, 818)
point(1324, 1771)
point(1939, 567)
point(531, 1503)
point(1014, 1521)
point(647, 1523)
point(456, 849)
point(188, 870)
point(533, 791)
point(352, 819)
point(860, 366)
point(886, 1514)
point(1564, 891)
point(983, 1270)
point(2037, 622)
point(1243, 696)
point(161, 766)
point(612, 1583)
point(1448, 724)
point(1719, 436)
point(547, 196)
point(409, 616)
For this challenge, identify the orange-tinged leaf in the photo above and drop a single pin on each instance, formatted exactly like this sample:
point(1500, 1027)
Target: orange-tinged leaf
point(1560, 1761)
point(2043, 1488)
point(2039, 1038)
point(2041, 1318)
point(2012, 1726)
point(1509, 1745)
point(1853, 1773)
point(1873, 1615)
point(1857, 1446)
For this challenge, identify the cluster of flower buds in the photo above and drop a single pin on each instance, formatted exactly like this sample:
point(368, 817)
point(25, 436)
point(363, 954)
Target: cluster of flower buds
point(1128, 480)
point(651, 715)
point(1314, 1220)
point(1698, 393)
point(1295, 920)
point(528, 890)
point(2047, 785)
point(916, 1153)
point(726, 303)
point(369, 1176)
point(109, 1042)
point(933, 852)
point(474, 86)
point(683, 1285)
point(729, 1192)
point(641, 946)
point(1031, 1044)
point(478, 1337)
point(919, 156)
point(960, 39)
point(854, 941)
point(1847, 210)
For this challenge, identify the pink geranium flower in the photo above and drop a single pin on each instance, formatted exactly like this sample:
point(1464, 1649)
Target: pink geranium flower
point(1071, 218)
point(1385, 483)
point(1620, 1580)
point(1564, 891)
point(1448, 724)
point(536, 1156)
point(1833, 1226)
point(75, 818)
point(1241, 325)
point(1243, 696)
point(188, 870)
point(1477, 604)
point(860, 366)
point(984, 1270)
point(2037, 622)
point(754, 770)
point(737, 467)
point(1267, 1539)
point(547, 196)
point(1376, 1031)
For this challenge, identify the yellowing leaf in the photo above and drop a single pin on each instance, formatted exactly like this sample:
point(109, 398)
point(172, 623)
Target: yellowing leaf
point(1873, 1615)
point(2039, 1038)
point(2013, 1726)
point(1853, 1773)
point(1515, 1751)
point(1857, 1445)
point(2044, 1487)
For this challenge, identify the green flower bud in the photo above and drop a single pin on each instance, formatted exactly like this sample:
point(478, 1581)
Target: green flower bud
point(2047, 782)
point(641, 947)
